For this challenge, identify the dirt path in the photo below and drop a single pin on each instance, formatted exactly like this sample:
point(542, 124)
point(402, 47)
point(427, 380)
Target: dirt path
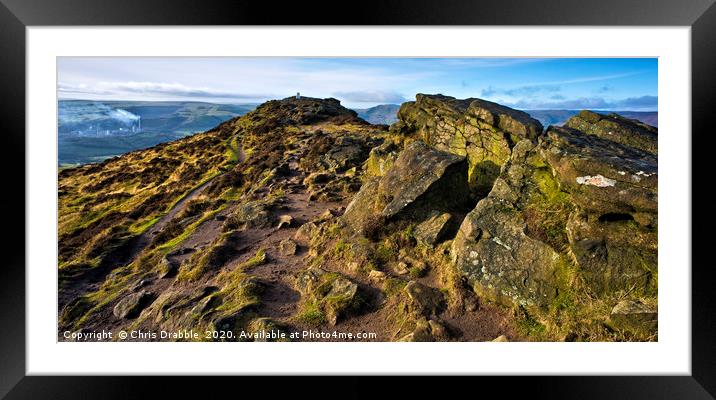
point(147, 236)
point(280, 300)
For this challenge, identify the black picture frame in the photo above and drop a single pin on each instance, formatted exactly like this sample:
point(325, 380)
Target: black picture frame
point(16, 15)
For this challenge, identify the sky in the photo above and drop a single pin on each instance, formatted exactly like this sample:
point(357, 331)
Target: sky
point(625, 84)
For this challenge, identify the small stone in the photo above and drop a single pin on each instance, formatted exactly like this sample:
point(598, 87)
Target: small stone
point(269, 330)
point(438, 330)
point(167, 269)
point(401, 268)
point(287, 247)
point(307, 279)
point(634, 316)
point(206, 304)
point(501, 338)
point(284, 221)
point(353, 266)
point(133, 304)
point(340, 299)
point(424, 300)
point(376, 275)
point(141, 283)
point(305, 232)
point(422, 332)
point(317, 178)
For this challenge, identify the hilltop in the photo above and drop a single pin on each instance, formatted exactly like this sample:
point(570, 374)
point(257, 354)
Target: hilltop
point(464, 220)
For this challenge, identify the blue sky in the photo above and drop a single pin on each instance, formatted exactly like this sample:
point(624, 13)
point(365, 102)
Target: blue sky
point(525, 83)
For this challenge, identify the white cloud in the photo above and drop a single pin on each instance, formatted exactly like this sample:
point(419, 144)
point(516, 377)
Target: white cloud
point(174, 90)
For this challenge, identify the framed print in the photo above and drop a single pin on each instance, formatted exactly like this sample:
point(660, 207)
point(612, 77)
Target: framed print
point(232, 190)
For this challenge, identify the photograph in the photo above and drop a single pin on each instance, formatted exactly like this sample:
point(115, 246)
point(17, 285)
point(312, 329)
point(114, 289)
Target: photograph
point(249, 192)
point(357, 199)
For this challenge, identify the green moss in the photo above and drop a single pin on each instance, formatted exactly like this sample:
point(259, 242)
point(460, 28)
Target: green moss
point(415, 272)
point(384, 253)
point(75, 310)
point(393, 286)
point(214, 256)
point(141, 226)
point(547, 211)
point(258, 259)
point(311, 314)
point(532, 329)
point(342, 248)
point(239, 292)
point(409, 232)
point(232, 194)
point(233, 150)
point(171, 244)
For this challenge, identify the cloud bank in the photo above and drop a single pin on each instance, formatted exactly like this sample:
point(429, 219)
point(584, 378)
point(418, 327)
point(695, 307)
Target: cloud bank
point(134, 89)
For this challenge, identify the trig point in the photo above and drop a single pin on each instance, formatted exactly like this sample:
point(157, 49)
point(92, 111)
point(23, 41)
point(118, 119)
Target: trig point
point(298, 95)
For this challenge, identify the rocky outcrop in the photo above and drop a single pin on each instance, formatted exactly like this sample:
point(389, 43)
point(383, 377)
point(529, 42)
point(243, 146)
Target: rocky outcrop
point(421, 180)
point(381, 159)
point(300, 111)
point(602, 175)
point(576, 207)
point(493, 249)
point(616, 128)
point(483, 131)
point(287, 247)
point(347, 152)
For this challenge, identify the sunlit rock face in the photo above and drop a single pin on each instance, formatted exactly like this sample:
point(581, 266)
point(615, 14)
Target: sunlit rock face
point(483, 131)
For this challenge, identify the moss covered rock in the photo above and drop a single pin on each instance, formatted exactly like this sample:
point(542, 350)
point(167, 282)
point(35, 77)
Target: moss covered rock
point(131, 305)
point(327, 296)
point(575, 206)
point(616, 128)
point(421, 180)
point(634, 316)
point(481, 130)
point(602, 176)
point(381, 159)
point(423, 300)
point(493, 249)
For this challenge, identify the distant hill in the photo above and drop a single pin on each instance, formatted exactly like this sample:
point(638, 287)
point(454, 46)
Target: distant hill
point(380, 114)
point(91, 131)
point(559, 117)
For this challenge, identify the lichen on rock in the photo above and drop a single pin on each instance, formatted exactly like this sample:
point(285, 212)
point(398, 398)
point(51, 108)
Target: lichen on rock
point(421, 180)
point(481, 130)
